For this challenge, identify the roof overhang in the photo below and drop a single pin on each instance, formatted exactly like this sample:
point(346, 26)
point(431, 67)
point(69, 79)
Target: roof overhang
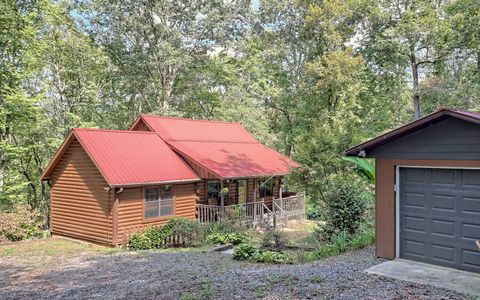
point(61, 150)
point(363, 148)
point(127, 185)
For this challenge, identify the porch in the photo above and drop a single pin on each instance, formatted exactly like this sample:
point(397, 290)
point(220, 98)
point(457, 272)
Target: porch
point(255, 213)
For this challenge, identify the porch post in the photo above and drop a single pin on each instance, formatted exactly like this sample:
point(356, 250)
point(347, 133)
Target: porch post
point(222, 200)
point(255, 190)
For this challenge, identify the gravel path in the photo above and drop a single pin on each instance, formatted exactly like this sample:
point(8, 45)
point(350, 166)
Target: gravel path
point(191, 275)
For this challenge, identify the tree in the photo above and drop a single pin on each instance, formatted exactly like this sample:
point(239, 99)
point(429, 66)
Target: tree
point(411, 35)
point(151, 42)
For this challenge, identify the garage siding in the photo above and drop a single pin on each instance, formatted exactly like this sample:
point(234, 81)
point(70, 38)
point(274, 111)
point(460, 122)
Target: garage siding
point(448, 139)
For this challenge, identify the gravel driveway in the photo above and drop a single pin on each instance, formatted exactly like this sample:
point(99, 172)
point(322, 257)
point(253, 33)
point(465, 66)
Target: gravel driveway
point(196, 275)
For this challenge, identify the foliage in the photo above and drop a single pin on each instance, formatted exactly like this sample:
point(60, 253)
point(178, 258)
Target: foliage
point(275, 239)
point(244, 251)
point(19, 224)
point(343, 241)
point(308, 78)
point(344, 208)
point(139, 242)
point(234, 238)
point(184, 232)
point(178, 232)
point(272, 257)
point(250, 252)
point(363, 168)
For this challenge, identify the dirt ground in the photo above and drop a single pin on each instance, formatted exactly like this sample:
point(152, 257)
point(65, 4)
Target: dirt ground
point(60, 269)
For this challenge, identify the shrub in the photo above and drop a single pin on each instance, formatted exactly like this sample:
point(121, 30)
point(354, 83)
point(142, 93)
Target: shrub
point(19, 224)
point(223, 238)
point(344, 206)
point(182, 232)
point(276, 239)
point(344, 241)
point(244, 251)
point(139, 242)
point(178, 232)
point(272, 257)
point(156, 235)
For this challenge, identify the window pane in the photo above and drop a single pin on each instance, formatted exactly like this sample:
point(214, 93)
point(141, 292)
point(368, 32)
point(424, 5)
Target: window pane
point(151, 209)
point(213, 189)
point(166, 192)
point(166, 207)
point(151, 194)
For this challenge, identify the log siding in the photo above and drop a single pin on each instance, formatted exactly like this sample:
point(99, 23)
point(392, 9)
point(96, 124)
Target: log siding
point(81, 203)
point(131, 209)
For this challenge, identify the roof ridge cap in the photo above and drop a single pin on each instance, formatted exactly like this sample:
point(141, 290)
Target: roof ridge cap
point(219, 142)
point(193, 120)
point(113, 130)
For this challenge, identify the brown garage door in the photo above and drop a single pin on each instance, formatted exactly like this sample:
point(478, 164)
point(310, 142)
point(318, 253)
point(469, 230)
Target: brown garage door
point(440, 216)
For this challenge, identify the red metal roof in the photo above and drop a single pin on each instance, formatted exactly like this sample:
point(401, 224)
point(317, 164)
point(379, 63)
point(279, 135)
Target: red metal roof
point(132, 157)
point(231, 160)
point(179, 129)
point(224, 148)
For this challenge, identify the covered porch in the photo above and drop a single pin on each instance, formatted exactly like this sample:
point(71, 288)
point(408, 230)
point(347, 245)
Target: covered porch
point(252, 200)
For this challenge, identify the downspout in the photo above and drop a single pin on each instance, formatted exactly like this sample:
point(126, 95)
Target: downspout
point(115, 216)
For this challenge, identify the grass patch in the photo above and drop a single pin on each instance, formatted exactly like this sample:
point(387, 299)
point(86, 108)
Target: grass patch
point(316, 279)
point(49, 251)
point(206, 291)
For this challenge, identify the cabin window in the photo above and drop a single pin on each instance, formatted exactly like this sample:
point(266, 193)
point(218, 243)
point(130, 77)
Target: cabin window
point(159, 201)
point(266, 188)
point(213, 190)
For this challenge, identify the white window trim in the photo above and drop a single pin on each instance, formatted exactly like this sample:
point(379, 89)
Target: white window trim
point(159, 200)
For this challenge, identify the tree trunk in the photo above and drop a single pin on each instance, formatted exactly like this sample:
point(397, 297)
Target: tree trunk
point(416, 94)
point(478, 62)
point(2, 173)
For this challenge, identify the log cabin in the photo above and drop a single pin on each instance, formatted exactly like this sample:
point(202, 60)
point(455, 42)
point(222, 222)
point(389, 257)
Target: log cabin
point(106, 183)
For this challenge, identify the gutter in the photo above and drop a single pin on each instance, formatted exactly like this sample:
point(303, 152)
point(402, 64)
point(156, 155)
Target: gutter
point(154, 183)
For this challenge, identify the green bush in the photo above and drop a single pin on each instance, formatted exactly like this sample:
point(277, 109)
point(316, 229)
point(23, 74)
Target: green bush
point(182, 232)
point(156, 235)
point(344, 241)
point(244, 251)
point(224, 238)
point(19, 224)
point(178, 232)
point(276, 239)
point(272, 257)
point(344, 206)
point(139, 242)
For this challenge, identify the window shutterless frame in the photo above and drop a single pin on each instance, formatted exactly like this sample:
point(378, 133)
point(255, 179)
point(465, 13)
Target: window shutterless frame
point(159, 218)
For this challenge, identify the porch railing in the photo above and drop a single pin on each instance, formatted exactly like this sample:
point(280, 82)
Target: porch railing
point(250, 213)
point(282, 210)
point(288, 208)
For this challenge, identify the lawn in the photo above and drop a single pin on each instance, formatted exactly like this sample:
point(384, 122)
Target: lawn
point(57, 268)
point(50, 251)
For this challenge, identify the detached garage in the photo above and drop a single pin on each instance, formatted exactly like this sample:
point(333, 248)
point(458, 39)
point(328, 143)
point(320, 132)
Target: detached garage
point(428, 189)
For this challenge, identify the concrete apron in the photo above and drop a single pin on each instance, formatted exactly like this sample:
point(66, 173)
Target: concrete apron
point(447, 278)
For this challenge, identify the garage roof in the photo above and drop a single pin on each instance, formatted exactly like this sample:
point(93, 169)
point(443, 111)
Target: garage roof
point(392, 135)
point(128, 158)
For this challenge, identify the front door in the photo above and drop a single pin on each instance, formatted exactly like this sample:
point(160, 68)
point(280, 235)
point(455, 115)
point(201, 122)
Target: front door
point(242, 191)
